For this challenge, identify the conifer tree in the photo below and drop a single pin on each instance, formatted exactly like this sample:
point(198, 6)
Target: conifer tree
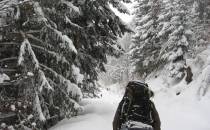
point(146, 43)
point(172, 36)
point(200, 18)
point(175, 49)
point(52, 51)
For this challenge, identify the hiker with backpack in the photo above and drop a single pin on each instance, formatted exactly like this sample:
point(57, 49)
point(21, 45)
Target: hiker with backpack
point(136, 111)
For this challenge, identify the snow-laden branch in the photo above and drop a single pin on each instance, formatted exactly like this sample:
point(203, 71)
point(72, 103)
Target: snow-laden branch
point(66, 41)
point(38, 11)
point(77, 106)
point(38, 108)
point(59, 57)
point(120, 6)
point(43, 81)
point(8, 59)
point(72, 89)
point(76, 73)
point(26, 48)
point(73, 10)
point(68, 21)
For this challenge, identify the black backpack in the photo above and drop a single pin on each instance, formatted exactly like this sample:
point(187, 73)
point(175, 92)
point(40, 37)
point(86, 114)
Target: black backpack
point(137, 107)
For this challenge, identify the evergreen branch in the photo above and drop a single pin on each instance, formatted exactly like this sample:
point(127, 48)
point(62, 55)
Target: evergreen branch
point(5, 2)
point(8, 70)
point(14, 83)
point(54, 54)
point(52, 71)
point(30, 36)
point(34, 38)
point(61, 78)
point(32, 31)
point(8, 43)
point(8, 59)
point(68, 21)
point(64, 92)
point(6, 84)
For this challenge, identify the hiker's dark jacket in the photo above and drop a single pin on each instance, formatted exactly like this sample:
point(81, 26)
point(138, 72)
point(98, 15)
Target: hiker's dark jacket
point(118, 119)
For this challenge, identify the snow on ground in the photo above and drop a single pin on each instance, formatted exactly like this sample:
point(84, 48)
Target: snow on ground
point(183, 112)
point(180, 105)
point(98, 114)
point(180, 112)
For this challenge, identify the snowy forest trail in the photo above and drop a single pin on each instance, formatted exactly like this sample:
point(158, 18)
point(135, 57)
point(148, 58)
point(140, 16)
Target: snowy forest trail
point(176, 113)
point(98, 114)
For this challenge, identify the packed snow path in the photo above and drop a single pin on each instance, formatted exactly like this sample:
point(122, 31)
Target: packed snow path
point(176, 113)
point(98, 114)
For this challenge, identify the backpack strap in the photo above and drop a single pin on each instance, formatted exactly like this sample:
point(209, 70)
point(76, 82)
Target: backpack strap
point(130, 101)
point(156, 119)
point(127, 101)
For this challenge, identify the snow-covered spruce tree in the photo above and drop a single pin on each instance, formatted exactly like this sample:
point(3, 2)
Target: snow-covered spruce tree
point(176, 43)
point(201, 21)
point(200, 18)
point(45, 60)
point(146, 43)
point(98, 38)
point(50, 47)
point(164, 36)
